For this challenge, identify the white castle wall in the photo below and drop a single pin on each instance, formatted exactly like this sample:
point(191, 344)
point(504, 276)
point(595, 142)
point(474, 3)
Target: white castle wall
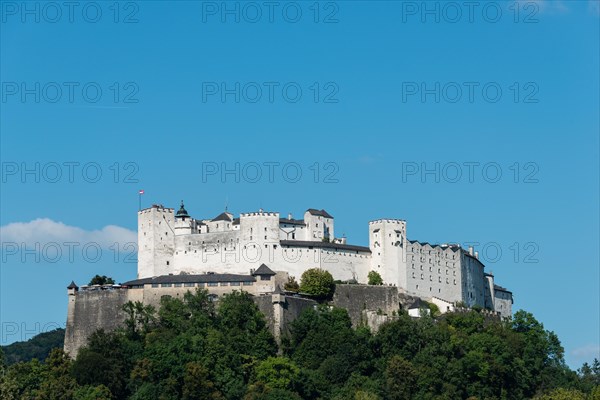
point(174, 245)
point(434, 271)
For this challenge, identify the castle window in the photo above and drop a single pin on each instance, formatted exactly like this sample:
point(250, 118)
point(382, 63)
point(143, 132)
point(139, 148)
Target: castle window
point(447, 281)
point(188, 284)
point(265, 228)
point(165, 285)
point(455, 281)
point(155, 285)
point(422, 276)
point(217, 225)
point(265, 237)
point(235, 284)
point(167, 263)
point(178, 285)
point(213, 284)
point(413, 274)
point(417, 286)
point(248, 283)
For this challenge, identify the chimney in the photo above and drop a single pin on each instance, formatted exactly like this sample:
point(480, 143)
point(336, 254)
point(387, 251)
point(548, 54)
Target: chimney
point(477, 255)
point(289, 215)
point(471, 250)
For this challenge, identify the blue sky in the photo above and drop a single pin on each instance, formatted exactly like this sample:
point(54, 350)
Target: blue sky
point(388, 90)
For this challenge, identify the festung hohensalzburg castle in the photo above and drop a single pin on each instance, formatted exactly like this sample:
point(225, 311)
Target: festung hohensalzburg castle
point(259, 251)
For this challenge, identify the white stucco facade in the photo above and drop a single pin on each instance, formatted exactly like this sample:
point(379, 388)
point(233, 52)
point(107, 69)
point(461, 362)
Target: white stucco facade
point(175, 243)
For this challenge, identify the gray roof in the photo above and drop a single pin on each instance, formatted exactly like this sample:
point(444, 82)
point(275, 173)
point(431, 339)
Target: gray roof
point(453, 247)
point(418, 303)
point(324, 245)
point(72, 285)
point(319, 213)
point(291, 221)
point(183, 278)
point(224, 216)
point(500, 288)
point(263, 270)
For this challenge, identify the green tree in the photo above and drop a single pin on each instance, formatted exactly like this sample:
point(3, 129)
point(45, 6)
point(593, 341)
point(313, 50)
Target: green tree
point(92, 393)
point(317, 282)
point(277, 373)
point(374, 278)
point(292, 285)
point(101, 280)
point(197, 384)
point(563, 394)
point(400, 379)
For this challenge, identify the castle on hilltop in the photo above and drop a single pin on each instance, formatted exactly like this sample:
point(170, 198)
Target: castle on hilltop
point(259, 251)
point(172, 242)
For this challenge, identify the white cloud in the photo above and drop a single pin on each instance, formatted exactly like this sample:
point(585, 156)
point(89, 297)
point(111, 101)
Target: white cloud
point(44, 230)
point(551, 6)
point(590, 351)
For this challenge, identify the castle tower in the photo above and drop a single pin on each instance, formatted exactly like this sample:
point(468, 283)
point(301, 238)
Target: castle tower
point(387, 241)
point(183, 222)
point(156, 241)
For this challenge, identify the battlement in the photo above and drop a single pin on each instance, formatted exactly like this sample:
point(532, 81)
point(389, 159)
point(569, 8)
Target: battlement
point(389, 221)
point(259, 214)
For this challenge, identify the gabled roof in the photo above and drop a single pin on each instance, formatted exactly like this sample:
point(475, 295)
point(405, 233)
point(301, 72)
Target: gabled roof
point(224, 216)
point(319, 213)
point(324, 245)
point(72, 285)
point(418, 303)
point(502, 289)
point(263, 270)
point(291, 221)
point(185, 278)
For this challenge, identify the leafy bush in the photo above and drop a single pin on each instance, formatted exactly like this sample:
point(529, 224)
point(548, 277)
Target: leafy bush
point(317, 282)
point(374, 278)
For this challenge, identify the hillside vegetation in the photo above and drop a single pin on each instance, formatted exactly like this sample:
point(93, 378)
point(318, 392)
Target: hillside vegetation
point(193, 349)
point(38, 347)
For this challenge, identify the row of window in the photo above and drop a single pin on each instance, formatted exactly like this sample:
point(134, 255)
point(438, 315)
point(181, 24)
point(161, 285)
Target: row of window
point(439, 271)
point(431, 278)
point(201, 285)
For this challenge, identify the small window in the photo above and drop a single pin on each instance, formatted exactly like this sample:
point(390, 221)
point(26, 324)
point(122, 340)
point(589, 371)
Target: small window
point(155, 285)
point(188, 284)
point(235, 284)
point(248, 283)
point(167, 263)
point(178, 285)
point(213, 284)
point(166, 285)
point(265, 277)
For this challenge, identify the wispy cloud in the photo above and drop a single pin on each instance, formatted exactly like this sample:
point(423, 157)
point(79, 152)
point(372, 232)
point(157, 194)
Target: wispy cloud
point(45, 230)
point(587, 352)
point(544, 6)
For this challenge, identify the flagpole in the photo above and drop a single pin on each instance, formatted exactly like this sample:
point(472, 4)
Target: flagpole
point(140, 205)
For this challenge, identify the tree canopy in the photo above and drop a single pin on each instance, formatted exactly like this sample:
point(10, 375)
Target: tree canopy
point(193, 348)
point(101, 280)
point(317, 282)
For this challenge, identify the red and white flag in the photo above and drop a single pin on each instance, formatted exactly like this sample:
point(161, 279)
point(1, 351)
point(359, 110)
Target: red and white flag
point(142, 191)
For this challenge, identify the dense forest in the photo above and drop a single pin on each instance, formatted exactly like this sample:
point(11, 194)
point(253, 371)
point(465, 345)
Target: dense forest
point(38, 347)
point(193, 348)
